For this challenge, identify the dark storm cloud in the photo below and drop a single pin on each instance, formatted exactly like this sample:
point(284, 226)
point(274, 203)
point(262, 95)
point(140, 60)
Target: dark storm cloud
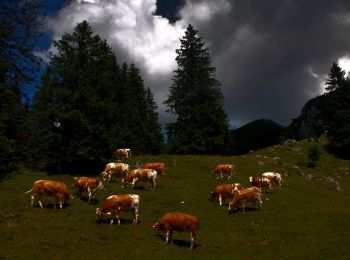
point(265, 51)
point(270, 56)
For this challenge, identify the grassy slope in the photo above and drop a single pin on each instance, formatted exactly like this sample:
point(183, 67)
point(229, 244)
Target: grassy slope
point(307, 218)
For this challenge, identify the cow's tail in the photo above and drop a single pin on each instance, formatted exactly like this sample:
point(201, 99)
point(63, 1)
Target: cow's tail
point(29, 191)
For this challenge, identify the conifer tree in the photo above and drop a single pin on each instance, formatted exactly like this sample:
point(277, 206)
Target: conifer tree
point(196, 99)
point(336, 77)
point(76, 107)
point(19, 26)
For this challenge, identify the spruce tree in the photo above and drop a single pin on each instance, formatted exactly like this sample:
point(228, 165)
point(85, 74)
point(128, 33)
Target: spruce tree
point(19, 26)
point(76, 108)
point(196, 99)
point(336, 77)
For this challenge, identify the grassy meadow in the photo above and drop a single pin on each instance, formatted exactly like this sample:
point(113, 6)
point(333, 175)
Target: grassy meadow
point(307, 218)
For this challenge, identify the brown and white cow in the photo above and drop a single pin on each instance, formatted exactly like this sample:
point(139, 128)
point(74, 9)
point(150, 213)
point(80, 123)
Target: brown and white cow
point(112, 169)
point(274, 175)
point(223, 168)
point(177, 221)
point(88, 185)
point(252, 194)
point(223, 191)
point(122, 153)
point(49, 188)
point(114, 204)
point(262, 182)
point(158, 167)
point(140, 175)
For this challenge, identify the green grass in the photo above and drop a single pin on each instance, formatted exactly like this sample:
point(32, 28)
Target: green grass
point(306, 219)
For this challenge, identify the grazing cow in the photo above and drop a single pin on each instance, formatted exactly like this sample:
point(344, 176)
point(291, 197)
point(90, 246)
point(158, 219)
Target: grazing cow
point(142, 175)
point(122, 153)
point(223, 168)
point(176, 221)
point(276, 176)
point(114, 169)
point(89, 185)
point(225, 190)
point(252, 194)
point(114, 204)
point(158, 167)
point(49, 188)
point(261, 182)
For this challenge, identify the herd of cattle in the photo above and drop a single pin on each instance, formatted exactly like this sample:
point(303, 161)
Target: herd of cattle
point(169, 222)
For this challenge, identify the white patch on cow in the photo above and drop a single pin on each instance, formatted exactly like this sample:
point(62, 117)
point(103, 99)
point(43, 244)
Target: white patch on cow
point(110, 197)
point(250, 179)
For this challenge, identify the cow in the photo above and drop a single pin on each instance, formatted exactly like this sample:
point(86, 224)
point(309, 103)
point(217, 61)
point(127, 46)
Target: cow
point(51, 188)
point(177, 221)
point(114, 169)
point(261, 182)
point(223, 168)
point(252, 194)
point(87, 184)
point(114, 204)
point(142, 175)
point(158, 167)
point(122, 153)
point(276, 176)
point(225, 190)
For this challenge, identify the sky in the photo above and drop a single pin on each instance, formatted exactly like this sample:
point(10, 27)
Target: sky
point(271, 56)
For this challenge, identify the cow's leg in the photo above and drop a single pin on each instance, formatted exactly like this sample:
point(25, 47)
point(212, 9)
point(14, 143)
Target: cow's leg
point(133, 183)
point(220, 199)
point(171, 236)
point(32, 199)
point(243, 206)
point(89, 192)
point(136, 214)
point(113, 217)
point(193, 236)
point(167, 234)
point(154, 184)
point(118, 216)
point(40, 204)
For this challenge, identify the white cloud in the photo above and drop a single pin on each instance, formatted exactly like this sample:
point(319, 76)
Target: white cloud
point(344, 63)
point(130, 26)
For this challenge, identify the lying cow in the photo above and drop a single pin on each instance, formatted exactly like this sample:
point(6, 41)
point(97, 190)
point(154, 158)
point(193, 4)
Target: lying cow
point(112, 169)
point(274, 175)
point(158, 167)
point(114, 204)
point(223, 168)
point(140, 175)
point(49, 188)
point(252, 194)
point(262, 182)
point(88, 185)
point(176, 221)
point(225, 190)
point(122, 153)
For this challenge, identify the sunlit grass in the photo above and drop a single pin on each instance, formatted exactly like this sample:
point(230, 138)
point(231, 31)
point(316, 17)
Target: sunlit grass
point(306, 218)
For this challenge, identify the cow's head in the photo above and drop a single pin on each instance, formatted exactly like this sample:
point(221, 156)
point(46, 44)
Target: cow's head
point(156, 226)
point(99, 215)
point(232, 206)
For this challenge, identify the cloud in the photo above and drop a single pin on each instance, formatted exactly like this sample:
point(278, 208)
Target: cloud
point(270, 56)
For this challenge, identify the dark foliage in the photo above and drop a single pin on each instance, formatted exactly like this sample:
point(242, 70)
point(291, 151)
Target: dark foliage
point(195, 98)
point(19, 24)
point(87, 105)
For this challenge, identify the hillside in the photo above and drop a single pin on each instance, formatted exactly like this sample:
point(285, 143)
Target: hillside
point(256, 135)
point(307, 218)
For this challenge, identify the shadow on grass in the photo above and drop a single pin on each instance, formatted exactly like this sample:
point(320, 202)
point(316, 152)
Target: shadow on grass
point(178, 242)
point(122, 221)
point(94, 201)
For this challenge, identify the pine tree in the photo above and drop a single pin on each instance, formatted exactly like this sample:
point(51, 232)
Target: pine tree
point(336, 77)
point(196, 99)
point(19, 26)
point(76, 107)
